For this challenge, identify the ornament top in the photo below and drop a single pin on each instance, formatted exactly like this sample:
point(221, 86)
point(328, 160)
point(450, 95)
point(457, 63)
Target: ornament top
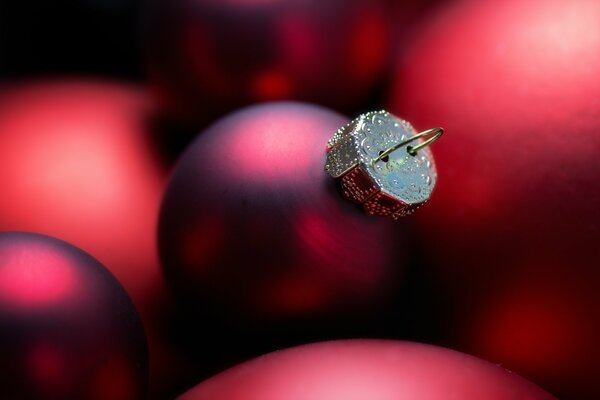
point(365, 143)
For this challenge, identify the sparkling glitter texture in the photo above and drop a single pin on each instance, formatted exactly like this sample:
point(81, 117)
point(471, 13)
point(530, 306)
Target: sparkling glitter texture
point(393, 186)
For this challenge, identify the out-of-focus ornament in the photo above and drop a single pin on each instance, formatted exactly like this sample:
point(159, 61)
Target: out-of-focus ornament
point(366, 369)
point(78, 162)
point(515, 82)
point(544, 320)
point(208, 57)
point(68, 330)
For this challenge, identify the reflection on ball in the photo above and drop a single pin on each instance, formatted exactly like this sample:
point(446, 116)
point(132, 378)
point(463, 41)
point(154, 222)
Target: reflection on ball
point(366, 369)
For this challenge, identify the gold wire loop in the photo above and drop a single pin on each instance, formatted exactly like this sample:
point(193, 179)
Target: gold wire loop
point(435, 134)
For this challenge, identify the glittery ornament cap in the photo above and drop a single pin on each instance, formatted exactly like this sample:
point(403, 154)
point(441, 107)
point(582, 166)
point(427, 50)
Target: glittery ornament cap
point(394, 185)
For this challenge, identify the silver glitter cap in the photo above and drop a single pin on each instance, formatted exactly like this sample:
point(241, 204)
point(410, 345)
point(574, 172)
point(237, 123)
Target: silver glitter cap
point(383, 163)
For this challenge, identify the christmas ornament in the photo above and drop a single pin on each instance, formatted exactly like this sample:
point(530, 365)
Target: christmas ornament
point(520, 180)
point(67, 328)
point(206, 57)
point(77, 162)
point(379, 168)
point(252, 224)
point(544, 320)
point(366, 369)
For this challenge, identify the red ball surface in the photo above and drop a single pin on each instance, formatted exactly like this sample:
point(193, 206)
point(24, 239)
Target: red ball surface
point(77, 162)
point(207, 57)
point(252, 223)
point(514, 83)
point(543, 321)
point(67, 327)
point(366, 369)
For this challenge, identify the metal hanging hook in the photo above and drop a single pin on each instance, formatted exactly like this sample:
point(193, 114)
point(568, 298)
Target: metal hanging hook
point(435, 134)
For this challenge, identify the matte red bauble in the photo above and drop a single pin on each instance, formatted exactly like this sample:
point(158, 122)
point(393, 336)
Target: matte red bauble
point(366, 369)
point(515, 85)
point(252, 223)
point(68, 330)
point(77, 162)
point(544, 321)
point(207, 57)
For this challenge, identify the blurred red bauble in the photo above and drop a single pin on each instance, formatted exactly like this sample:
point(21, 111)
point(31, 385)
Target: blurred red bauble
point(68, 330)
point(252, 224)
point(515, 84)
point(78, 162)
point(545, 321)
point(208, 57)
point(366, 369)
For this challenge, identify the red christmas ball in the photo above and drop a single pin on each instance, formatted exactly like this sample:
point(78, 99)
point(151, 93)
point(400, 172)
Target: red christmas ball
point(77, 162)
point(207, 57)
point(513, 82)
point(544, 321)
point(67, 327)
point(252, 224)
point(366, 369)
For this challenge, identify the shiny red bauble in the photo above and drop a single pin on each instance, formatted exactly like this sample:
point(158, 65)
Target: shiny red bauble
point(514, 83)
point(68, 330)
point(78, 162)
point(252, 224)
point(366, 369)
point(208, 57)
